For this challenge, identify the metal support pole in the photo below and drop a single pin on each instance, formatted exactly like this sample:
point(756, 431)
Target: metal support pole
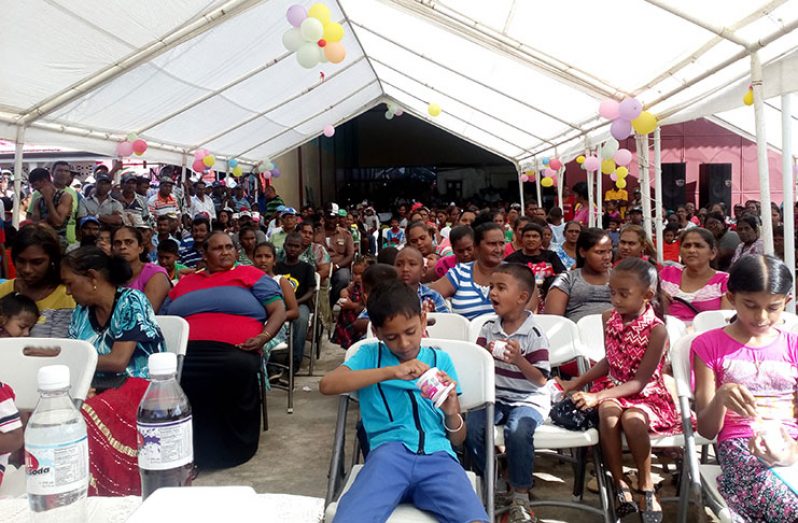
point(521, 191)
point(538, 178)
point(591, 203)
point(18, 153)
point(645, 185)
point(560, 184)
point(599, 193)
point(788, 183)
point(762, 152)
point(659, 222)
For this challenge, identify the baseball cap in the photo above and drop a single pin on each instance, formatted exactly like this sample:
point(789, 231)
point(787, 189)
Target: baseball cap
point(288, 210)
point(636, 209)
point(129, 177)
point(102, 177)
point(89, 219)
point(244, 214)
point(166, 179)
point(331, 209)
point(342, 212)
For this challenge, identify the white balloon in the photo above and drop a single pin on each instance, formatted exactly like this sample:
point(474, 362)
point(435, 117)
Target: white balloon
point(308, 55)
point(399, 111)
point(609, 149)
point(292, 39)
point(311, 29)
point(388, 115)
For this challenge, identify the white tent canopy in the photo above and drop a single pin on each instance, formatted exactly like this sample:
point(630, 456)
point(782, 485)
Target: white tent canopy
point(520, 79)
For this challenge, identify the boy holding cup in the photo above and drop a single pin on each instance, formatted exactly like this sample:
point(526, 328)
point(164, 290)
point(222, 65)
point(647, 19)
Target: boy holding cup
point(411, 458)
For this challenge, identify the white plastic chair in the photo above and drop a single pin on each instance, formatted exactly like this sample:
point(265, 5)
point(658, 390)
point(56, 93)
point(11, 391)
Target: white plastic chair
point(475, 371)
point(314, 325)
point(709, 320)
point(712, 496)
point(591, 332)
point(19, 369)
point(175, 333)
point(476, 324)
point(448, 326)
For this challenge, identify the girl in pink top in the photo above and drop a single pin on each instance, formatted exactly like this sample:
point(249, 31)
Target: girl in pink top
point(153, 280)
point(746, 377)
point(697, 287)
point(628, 386)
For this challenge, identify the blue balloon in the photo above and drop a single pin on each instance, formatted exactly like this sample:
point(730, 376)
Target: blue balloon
point(545, 160)
point(233, 163)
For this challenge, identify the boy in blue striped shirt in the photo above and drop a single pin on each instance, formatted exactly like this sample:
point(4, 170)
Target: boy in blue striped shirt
point(522, 369)
point(409, 265)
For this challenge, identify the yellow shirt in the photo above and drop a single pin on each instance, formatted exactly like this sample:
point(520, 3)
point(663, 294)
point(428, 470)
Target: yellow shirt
point(55, 312)
point(616, 195)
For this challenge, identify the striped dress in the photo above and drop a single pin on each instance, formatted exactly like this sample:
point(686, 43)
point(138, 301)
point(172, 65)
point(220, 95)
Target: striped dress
point(470, 299)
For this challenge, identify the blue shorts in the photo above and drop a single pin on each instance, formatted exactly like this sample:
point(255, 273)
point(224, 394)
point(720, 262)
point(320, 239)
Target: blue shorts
point(393, 475)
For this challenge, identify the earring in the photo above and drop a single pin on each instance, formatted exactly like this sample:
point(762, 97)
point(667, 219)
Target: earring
point(94, 287)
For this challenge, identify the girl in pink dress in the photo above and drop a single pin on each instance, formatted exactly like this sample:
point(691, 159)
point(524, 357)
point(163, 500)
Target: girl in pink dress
point(628, 387)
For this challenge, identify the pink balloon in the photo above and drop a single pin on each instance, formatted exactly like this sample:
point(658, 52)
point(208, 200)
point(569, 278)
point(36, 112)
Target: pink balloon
point(555, 164)
point(608, 109)
point(199, 154)
point(629, 109)
point(614, 177)
point(524, 178)
point(139, 147)
point(198, 166)
point(124, 148)
point(328, 131)
point(621, 129)
point(296, 14)
point(622, 157)
point(549, 172)
point(591, 163)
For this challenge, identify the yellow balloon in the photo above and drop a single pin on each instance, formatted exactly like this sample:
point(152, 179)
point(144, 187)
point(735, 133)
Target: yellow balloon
point(547, 182)
point(580, 159)
point(621, 184)
point(748, 99)
point(238, 171)
point(607, 166)
point(645, 123)
point(209, 160)
point(434, 109)
point(320, 12)
point(621, 172)
point(333, 32)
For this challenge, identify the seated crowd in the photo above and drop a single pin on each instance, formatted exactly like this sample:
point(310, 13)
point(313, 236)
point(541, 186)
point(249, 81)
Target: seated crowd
point(241, 267)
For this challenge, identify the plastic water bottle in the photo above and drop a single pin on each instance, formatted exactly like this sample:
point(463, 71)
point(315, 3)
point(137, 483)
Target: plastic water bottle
point(166, 447)
point(56, 452)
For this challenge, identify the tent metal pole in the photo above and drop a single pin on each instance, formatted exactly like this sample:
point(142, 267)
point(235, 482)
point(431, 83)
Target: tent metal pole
point(521, 191)
point(762, 153)
point(560, 183)
point(599, 192)
point(538, 178)
point(788, 183)
point(658, 224)
point(18, 152)
point(645, 186)
point(591, 203)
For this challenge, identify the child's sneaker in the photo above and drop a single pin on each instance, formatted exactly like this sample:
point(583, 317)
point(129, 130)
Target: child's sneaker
point(502, 499)
point(520, 512)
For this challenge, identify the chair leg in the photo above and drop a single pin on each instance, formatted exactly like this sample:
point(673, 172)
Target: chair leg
point(336, 460)
point(490, 453)
point(261, 392)
point(291, 369)
point(579, 473)
point(605, 496)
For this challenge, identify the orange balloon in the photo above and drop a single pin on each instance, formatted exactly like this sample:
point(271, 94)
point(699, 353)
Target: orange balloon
point(335, 52)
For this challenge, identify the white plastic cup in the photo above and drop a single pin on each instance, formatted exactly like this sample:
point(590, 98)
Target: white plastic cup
point(770, 431)
point(498, 348)
point(432, 388)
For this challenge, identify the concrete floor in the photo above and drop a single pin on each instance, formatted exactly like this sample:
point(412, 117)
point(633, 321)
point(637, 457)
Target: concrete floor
point(294, 454)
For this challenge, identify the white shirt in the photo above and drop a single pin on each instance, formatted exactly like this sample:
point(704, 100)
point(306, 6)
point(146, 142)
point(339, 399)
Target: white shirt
point(206, 205)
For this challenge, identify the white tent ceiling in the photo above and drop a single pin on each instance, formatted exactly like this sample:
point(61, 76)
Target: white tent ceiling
point(518, 78)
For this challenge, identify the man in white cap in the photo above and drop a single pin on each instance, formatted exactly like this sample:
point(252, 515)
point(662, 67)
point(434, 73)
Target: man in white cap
point(288, 221)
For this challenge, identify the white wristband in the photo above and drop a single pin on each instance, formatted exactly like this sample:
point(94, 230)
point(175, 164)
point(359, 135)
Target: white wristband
point(462, 422)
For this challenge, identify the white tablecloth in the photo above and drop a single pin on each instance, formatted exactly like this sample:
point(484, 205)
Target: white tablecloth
point(194, 504)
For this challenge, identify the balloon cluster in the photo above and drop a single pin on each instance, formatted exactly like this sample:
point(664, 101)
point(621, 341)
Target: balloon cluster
point(552, 166)
point(613, 161)
point(627, 115)
point(267, 168)
point(131, 145)
point(203, 160)
point(235, 167)
point(393, 110)
point(313, 36)
point(748, 97)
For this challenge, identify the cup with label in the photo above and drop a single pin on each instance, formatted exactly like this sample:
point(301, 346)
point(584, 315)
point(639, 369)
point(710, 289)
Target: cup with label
point(432, 388)
point(498, 348)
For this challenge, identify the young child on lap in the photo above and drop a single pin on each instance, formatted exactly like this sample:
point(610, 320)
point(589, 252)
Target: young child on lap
point(411, 458)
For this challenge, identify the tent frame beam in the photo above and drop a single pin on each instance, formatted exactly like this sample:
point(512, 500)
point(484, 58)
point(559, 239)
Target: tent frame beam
point(174, 38)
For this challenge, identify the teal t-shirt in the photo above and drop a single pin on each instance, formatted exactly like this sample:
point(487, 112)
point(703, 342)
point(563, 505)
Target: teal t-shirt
point(387, 408)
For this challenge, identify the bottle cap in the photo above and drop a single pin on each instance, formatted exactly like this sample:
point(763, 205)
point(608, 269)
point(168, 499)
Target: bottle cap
point(53, 377)
point(162, 363)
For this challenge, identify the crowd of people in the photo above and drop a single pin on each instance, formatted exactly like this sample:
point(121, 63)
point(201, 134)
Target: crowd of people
point(99, 261)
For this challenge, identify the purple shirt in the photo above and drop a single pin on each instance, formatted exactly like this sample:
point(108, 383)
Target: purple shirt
point(148, 271)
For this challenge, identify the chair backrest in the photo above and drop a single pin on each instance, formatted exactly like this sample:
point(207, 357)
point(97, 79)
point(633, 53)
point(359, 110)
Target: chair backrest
point(676, 328)
point(591, 333)
point(474, 365)
point(476, 324)
point(565, 343)
point(175, 333)
point(708, 320)
point(680, 363)
point(19, 370)
point(448, 326)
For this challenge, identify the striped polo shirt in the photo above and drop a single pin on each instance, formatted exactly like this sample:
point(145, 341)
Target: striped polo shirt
point(469, 299)
point(512, 387)
point(225, 306)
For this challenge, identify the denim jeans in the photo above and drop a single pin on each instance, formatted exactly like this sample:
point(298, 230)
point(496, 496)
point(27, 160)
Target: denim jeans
point(338, 282)
point(300, 334)
point(519, 429)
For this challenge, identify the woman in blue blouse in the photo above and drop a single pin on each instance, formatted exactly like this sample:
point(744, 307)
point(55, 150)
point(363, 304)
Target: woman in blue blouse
point(119, 323)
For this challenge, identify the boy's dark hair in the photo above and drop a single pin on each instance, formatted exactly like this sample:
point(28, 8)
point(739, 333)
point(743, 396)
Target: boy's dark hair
point(555, 213)
point(387, 255)
point(484, 218)
point(522, 218)
point(522, 274)
point(169, 246)
point(200, 220)
point(646, 273)
point(672, 227)
point(530, 227)
point(392, 298)
point(760, 274)
point(377, 273)
point(14, 304)
point(39, 174)
point(294, 236)
point(588, 238)
point(163, 218)
point(460, 232)
point(614, 219)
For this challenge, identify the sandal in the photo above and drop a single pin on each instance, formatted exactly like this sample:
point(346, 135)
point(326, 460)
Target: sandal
point(649, 515)
point(624, 507)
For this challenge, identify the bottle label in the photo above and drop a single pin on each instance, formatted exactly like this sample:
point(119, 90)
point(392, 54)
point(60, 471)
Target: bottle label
point(56, 469)
point(165, 445)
